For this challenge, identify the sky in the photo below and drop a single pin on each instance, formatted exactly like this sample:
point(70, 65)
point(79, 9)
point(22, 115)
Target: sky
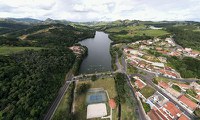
point(102, 10)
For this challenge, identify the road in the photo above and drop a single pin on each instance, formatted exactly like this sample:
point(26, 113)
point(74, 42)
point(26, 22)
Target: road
point(148, 80)
point(139, 108)
point(59, 97)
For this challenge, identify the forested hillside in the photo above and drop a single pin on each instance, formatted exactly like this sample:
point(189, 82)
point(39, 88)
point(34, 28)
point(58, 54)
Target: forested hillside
point(46, 35)
point(29, 81)
point(186, 37)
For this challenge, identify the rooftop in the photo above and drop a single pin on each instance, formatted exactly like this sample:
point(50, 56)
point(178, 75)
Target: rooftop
point(139, 84)
point(163, 84)
point(173, 92)
point(170, 107)
point(183, 117)
point(192, 105)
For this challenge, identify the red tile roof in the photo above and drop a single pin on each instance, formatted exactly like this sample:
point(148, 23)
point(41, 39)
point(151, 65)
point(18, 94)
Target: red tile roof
point(163, 85)
point(112, 103)
point(153, 116)
point(172, 109)
point(188, 102)
point(139, 84)
point(183, 117)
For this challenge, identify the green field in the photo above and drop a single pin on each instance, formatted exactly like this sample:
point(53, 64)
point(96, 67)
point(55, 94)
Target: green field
point(9, 50)
point(139, 30)
point(147, 91)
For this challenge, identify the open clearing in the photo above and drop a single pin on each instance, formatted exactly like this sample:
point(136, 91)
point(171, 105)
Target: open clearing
point(9, 50)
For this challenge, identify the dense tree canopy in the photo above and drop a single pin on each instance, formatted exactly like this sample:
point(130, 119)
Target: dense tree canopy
point(188, 67)
point(29, 81)
point(186, 37)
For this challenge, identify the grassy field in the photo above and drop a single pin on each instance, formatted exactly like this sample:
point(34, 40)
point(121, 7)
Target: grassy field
point(147, 91)
point(64, 108)
point(80, 100)
point(130, 31)
point(9, 50)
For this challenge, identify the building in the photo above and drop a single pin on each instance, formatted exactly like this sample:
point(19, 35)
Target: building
point(164, 85)
point(173, 92)
point(187, 102)
point(171, 111)
point(163, 59)
point(183, 117)
point(139, 83)
point(153, 115)
point(158, 99)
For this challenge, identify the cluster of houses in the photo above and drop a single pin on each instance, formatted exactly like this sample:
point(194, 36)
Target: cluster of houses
point(181, 97)
point(78, 50)
point(166, 47)
point(134, 57)
point(161, 107)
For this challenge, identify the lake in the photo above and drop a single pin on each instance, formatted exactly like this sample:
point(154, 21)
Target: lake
point(99, 58)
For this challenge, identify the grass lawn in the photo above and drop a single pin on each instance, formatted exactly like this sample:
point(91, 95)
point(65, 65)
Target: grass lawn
point(154, 33)
point(9, 50)
point(191, 92)
point(64, 108)
point(80, 100)
point(131, 69)
point(162, 79)
point(147, 91)
point(176, 87)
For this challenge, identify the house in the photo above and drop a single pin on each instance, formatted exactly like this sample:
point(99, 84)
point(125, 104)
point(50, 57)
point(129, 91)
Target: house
point(158, 99)
point(156, 39)
point(168, 73)
point(139, 84)
point(188, 49)
point(162, 59)
point(158, 64)
point(195, 85)
point(164, 85)
point(187, 102)
point(183, 117)
point(144, 47)
point(153, 115)
point(173, 92)
point(171, 111)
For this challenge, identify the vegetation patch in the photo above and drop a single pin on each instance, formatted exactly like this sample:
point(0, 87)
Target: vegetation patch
point(63, 112)
point(176, 87)
point(4, 50)
point(147, 91)
point(191, 92)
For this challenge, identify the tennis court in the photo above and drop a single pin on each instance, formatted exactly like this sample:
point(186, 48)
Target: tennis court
point(96, 97)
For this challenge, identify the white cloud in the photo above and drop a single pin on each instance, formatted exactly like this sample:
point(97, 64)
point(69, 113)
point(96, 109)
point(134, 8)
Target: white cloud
point(95, 10)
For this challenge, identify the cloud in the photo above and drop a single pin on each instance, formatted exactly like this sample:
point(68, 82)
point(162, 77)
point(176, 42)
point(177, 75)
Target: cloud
point(98, 10)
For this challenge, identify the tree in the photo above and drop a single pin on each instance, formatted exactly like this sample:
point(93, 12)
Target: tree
point(94, 78)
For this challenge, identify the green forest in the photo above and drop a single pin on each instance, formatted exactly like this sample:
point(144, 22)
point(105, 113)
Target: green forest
point(186, 37)
point(29, 81)
point(188, 67)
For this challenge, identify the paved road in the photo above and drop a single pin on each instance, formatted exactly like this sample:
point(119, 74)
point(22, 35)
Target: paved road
point(56, 102)
point(148, 80)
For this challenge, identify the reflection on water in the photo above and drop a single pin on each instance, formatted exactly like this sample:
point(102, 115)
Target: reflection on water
point(98, 59)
